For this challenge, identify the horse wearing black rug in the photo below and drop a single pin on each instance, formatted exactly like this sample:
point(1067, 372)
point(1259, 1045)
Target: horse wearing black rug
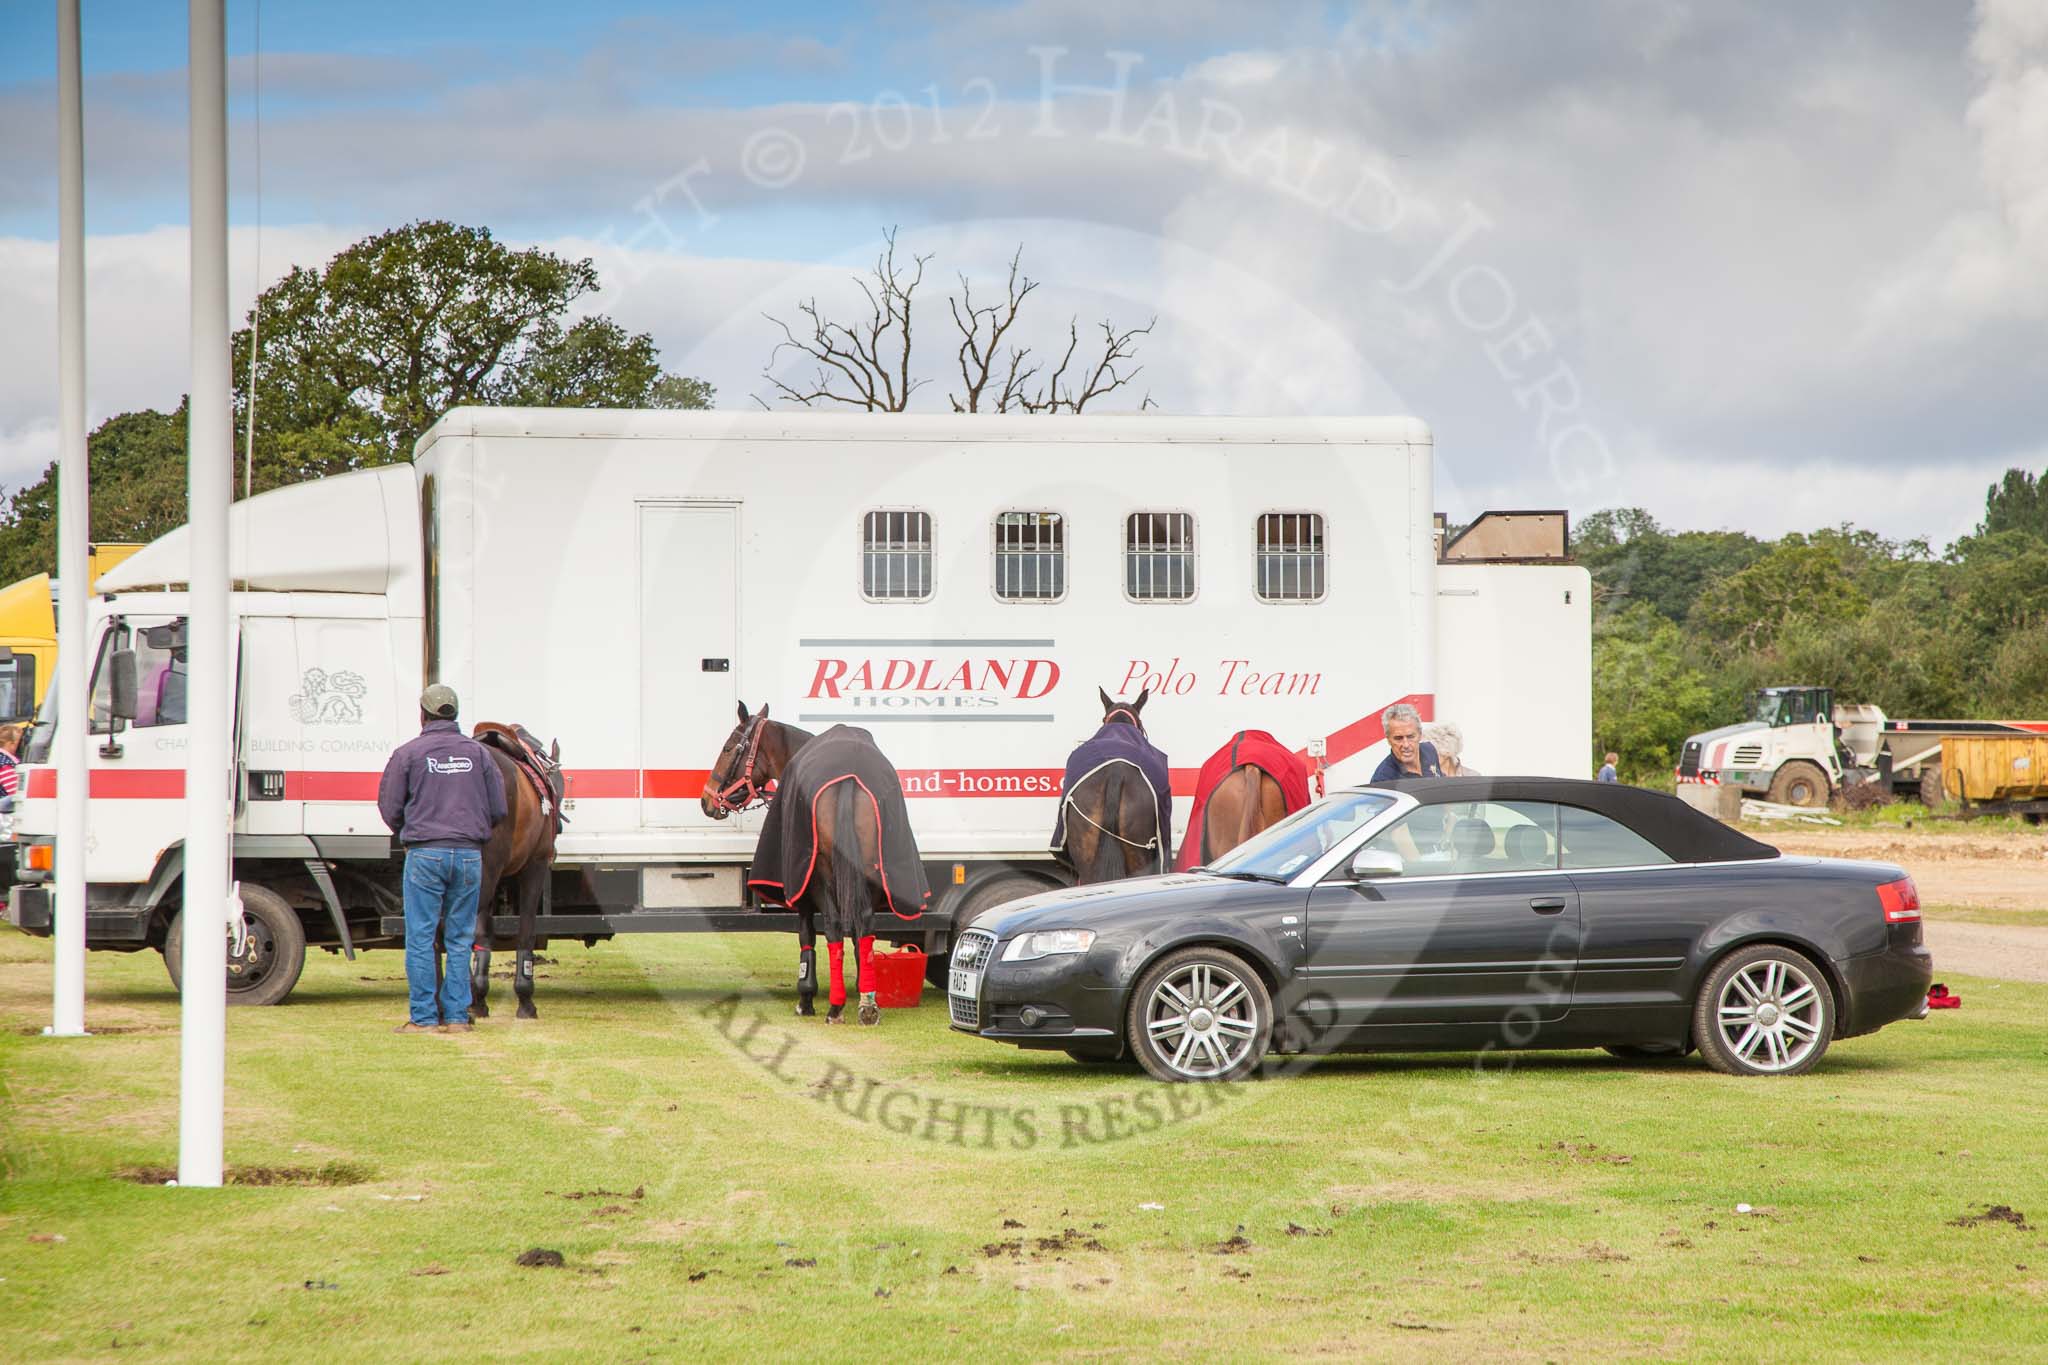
point(1116, 800)
point(521, 849)
point(836, 843)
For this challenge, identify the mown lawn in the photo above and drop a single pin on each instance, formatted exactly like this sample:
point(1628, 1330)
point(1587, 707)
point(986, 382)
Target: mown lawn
point(710, 1199)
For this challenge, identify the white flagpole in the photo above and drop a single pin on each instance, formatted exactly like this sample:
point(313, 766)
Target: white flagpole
point(210, 474)
point(74, 531)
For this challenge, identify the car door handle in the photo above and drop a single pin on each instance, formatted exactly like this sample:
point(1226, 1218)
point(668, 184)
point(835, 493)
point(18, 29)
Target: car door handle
point(1547, 905)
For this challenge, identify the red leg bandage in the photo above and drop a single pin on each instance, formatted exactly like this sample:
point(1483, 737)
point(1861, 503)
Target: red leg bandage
point(836, 973)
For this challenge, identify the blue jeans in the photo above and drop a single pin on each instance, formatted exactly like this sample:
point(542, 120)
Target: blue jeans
point(441, 886)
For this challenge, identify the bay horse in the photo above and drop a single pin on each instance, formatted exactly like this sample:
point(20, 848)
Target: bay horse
point(1115, 832)
point(1243, 803)
point(848, 842)
point(520, 856)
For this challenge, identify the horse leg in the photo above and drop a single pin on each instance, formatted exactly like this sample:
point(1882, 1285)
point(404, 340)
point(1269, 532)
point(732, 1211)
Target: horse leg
point(533, 892)
point(480, 952)
point(835, 983)
point(864, 980)
point(806, 963)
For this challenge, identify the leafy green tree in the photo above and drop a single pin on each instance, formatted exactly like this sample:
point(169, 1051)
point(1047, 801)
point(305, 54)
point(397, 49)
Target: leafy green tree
point(356, 359)
point(1633, 559)
point(1647, 696)
point(1796, 579)
point(136, 467)
point(2017, 502)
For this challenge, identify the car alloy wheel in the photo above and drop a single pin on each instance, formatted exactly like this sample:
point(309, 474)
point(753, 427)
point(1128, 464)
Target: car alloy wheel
point(1768, 1012)
point(1201, 1014)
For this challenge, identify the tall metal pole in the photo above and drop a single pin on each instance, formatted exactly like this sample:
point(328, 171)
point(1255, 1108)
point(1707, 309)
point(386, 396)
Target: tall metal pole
point(210, 475)
point(74, 530)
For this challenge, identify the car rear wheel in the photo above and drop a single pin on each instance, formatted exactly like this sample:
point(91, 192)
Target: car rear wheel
point(1765, 1010)
point(273, 952)
point(1201, 1014)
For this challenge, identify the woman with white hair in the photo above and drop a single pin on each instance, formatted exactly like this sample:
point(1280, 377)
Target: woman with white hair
point(1409, 755)
point(1450, 748)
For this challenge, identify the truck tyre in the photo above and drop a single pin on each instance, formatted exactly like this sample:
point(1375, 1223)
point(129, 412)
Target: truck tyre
point(271, 959)
point(996, 891)
point(1800, 783)
point(1931, 794)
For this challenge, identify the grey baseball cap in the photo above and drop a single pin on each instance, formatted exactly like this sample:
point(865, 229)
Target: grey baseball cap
point(439, 701)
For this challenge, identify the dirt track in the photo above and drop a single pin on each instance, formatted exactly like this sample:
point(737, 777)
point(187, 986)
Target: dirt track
point(1986, 871)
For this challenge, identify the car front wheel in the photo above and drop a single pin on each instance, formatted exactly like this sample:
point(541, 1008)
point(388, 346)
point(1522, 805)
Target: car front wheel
point(1200, 1014)
point(1765, 1010)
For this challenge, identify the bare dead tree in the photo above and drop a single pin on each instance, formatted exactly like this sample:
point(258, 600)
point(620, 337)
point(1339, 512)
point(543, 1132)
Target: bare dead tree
point(866, 365)
point(977, 353)
point(1106, 375)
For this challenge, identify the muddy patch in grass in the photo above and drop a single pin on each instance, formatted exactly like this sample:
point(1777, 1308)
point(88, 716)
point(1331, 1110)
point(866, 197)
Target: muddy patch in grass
point(333, 1173)
point(540, 1257)
point(639, 1192)
point(1997, 1213)
point(1237, 1244)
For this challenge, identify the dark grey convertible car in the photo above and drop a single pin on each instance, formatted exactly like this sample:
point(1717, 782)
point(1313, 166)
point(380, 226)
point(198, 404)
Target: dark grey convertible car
point(1458, 914)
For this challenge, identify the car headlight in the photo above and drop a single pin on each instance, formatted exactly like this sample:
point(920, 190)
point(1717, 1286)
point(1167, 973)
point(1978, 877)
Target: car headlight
point(1048, 943)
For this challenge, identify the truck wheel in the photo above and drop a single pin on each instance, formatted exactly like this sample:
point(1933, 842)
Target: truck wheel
point(997, 891)
point(1800, 783)
point(1931, 794)
point(271, 959)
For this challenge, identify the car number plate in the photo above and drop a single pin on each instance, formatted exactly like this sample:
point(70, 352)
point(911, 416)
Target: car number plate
point(960, 982)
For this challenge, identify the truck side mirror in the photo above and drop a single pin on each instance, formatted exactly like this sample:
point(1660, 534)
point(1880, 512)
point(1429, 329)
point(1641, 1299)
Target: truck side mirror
point(121, 685)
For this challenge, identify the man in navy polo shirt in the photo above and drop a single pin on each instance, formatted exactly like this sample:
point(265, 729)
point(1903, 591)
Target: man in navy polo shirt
point(441, 794)
point(1410, 757)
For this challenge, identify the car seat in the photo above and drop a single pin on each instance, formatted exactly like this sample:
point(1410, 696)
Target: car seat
point(1473, 839)
point(1529, 847)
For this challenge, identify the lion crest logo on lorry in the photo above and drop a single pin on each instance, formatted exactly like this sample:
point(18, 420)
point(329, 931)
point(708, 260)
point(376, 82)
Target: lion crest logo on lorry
point(327, 698)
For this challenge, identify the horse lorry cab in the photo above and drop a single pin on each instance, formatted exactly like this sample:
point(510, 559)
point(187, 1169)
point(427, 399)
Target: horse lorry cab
point(960, 586)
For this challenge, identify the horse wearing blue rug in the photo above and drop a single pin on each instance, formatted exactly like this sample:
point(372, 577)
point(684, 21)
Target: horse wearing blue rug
point(1116, 800)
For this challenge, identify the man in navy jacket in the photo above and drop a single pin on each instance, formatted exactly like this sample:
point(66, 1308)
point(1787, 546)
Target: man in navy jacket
point(441, 795)
point(1409, 755)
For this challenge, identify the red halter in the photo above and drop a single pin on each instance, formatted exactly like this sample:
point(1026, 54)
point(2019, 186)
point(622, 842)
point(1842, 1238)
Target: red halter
point(742, 792)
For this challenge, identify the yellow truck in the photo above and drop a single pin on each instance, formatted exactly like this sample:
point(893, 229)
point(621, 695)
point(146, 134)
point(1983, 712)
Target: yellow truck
point(28, 634)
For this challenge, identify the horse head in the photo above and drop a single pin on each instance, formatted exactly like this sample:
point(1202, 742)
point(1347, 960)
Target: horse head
point(1115, 712)
point(739, 779)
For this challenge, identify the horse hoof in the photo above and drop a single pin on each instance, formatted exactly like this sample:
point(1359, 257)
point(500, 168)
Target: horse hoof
point(870, 1013)
point(478, 1009)
point(833, 1016)
point(527, 1012)
point(805, 1011)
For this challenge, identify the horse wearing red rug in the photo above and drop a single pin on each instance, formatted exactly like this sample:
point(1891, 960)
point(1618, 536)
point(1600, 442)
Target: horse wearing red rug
point(1248, 785)
point(835, 843)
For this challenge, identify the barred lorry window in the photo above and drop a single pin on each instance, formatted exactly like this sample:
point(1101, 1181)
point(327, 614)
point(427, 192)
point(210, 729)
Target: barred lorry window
point(896, 556)
point(1159, 556)
point(1030, 556)
point(1291, 558)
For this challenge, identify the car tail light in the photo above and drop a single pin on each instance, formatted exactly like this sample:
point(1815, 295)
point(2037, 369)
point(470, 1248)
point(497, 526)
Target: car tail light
point(42, 857)
point(1901, 901)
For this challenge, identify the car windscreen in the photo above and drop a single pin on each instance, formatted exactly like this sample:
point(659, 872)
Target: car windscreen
point(1280, 851)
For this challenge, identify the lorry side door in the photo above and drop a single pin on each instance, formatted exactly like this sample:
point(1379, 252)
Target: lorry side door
point(345, 696)
point(268, 734)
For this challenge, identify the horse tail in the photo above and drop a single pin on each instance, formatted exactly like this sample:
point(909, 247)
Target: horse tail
point(851, 901)
point(1254, 802)
point(1109, 851)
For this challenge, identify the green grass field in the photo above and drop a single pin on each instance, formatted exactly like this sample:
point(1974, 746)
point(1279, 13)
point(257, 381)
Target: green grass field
point(906, 1193)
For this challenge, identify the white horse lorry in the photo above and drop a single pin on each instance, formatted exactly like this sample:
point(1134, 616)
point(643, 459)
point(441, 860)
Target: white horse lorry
point(961, 586)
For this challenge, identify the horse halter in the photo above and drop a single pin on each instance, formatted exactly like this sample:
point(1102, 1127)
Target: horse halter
point(1125, 711)
point(742, 792)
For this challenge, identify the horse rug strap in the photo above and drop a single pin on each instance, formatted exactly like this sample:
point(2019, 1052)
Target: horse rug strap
point(786, 860)
point(1126, 744)
point(530, 756)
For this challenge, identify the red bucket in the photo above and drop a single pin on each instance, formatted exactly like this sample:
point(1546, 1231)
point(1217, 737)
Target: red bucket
point(899, 978)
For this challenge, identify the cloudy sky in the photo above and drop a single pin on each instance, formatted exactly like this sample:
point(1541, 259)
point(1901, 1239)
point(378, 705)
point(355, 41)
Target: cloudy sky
point(1752, 265)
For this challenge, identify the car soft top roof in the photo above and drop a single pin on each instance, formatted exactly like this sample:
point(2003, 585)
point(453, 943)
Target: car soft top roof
point(1684, 834)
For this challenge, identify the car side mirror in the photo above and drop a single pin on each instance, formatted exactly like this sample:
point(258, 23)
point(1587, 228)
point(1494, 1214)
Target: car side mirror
point(121, 685)
point(1376, 862)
